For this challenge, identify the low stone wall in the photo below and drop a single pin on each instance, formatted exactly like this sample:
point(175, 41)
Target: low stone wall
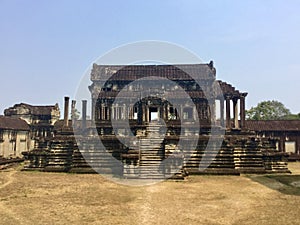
point(240, 152)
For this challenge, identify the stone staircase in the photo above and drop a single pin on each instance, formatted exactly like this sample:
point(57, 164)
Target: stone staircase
point(214, 160)
point(151, 155)
point(37, 159)
point(248, 156)
point(274, 161)
point(92, 158)
point(61, 151)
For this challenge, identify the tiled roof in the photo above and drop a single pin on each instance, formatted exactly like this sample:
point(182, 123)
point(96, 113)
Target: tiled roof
point(273, 125)
point(229, 89)
point(184, 72)
point(11, 123)
point(134, 72)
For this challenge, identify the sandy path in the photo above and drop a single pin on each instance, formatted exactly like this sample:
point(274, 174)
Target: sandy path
point(9, 176)
point(58, 198)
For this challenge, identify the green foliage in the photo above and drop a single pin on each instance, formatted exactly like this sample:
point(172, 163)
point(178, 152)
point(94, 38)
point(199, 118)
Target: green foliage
point(269, 110)
point(76, 115)
point(292, 117)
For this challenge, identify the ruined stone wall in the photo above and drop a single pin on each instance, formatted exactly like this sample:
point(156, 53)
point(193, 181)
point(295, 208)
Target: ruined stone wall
point(13, 143)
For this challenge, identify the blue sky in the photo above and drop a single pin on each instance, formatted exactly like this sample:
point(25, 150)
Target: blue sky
point(46, 46)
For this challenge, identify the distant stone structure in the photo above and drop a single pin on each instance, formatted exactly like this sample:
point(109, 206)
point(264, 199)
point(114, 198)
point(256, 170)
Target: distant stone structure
point(14, 137)
point(48, 143)
point(285, 132)
point(242, 150)
point(41, 120)
point(34, 114)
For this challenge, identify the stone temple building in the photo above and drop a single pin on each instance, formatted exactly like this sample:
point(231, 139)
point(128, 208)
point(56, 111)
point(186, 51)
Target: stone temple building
point(286, 132)
point(14, 137)
point(154, 121)
point(40, 120)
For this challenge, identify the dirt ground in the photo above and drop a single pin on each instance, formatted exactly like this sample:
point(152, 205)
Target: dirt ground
point(59, 198)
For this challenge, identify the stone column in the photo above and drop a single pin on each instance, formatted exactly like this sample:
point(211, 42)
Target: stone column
point(222, 112)
point(100, 111)
point(96, 110)
point(228, 117)
point(73, 105)
point(117, 113)
point(103, 115)
point(84, 102)
point(181, 112)
point(242, 111)
point(235, 113)
point(282, 144)
point(109, 109)
point(66, 112)
point(213, 111)
point(147, 113)
point(93, 108)
point(195, 113)
point(113, 116)
point(124, 111)
point(130, 113)
point(144, 112)
point(140, 113)
point(165, 106)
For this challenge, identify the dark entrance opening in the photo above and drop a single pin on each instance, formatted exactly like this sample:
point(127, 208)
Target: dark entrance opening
point(153, 113)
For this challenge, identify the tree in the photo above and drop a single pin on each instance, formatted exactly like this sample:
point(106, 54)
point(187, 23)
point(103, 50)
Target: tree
point(292, 117)
point(75, 115)
point(268, 110)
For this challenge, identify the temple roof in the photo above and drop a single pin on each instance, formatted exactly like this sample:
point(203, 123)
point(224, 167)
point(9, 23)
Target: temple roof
point(134, 72)
point(205, 73)
point(229, 90)
point(10, 123)
point(273, 125)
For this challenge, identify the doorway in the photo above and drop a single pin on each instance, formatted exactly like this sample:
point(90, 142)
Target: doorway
point(153, 113)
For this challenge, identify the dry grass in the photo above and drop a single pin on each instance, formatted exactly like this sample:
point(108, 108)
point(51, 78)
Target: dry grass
point(58, 198)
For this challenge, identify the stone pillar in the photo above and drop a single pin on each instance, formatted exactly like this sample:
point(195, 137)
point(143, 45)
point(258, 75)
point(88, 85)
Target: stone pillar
point(84, 103)
point(242, 111)
point(282, 144)
point(103, 116)
point(147, 113)
point(100, 111)
point(66, 112)
point(144, 112)
point(117, 114)
point(165, 111)
point(96, 110)
point(109, 108)
point(140, 113)
point(93, 108)
point(222, 112)
point(73, 105)
point(228, 117)
point(195, 113)
point(113, 116)
point(235, 113)
point(125, 113)
point(181, 112)
point(213, 111)
point(130, 113)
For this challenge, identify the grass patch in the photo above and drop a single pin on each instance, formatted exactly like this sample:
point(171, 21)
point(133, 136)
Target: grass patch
point(286, 184)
